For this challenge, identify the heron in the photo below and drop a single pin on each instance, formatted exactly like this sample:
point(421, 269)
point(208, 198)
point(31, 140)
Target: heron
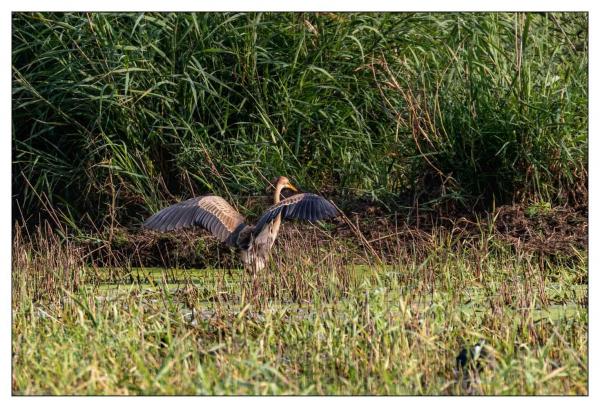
point(254, 242)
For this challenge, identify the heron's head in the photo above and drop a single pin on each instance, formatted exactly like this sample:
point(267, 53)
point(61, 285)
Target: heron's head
point(280, 183)
point(284, 182)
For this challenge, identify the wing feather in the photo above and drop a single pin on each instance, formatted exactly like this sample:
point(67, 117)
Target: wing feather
point(306, 206)
point(162, 214)
point(304, 211)
point(177, 216)
point(187, 218)
point(212, 213)
point(312, 212)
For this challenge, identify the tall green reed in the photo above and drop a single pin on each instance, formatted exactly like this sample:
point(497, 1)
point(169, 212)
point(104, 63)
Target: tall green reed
point(116, 114)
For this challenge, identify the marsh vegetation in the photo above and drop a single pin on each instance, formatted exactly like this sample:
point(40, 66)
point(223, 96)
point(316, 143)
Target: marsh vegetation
point(455, 143)
point(319, 324)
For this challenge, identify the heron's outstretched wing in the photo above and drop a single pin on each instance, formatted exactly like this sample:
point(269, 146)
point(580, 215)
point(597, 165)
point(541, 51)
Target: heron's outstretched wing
point(212, 213)
point(306, 206)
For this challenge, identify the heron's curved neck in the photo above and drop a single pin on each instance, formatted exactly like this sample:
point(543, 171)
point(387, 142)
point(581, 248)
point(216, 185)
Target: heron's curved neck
point(277, 196)
point(277, 221)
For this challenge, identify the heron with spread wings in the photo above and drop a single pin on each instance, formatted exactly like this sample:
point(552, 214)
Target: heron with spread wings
point(254, 242)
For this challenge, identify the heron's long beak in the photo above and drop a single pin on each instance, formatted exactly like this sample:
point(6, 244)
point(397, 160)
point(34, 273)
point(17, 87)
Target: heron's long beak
point(291, 187)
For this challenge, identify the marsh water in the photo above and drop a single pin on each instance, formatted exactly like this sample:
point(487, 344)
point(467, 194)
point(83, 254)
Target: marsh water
point(225, 288)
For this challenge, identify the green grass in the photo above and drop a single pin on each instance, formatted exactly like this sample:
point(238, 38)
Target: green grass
point(115, 114)
point(314, 328)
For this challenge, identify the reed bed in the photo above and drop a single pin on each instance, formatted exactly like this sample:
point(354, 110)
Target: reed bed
point(117, 114)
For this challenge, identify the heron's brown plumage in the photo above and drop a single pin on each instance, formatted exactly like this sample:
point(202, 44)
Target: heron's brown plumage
point(223, 221)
